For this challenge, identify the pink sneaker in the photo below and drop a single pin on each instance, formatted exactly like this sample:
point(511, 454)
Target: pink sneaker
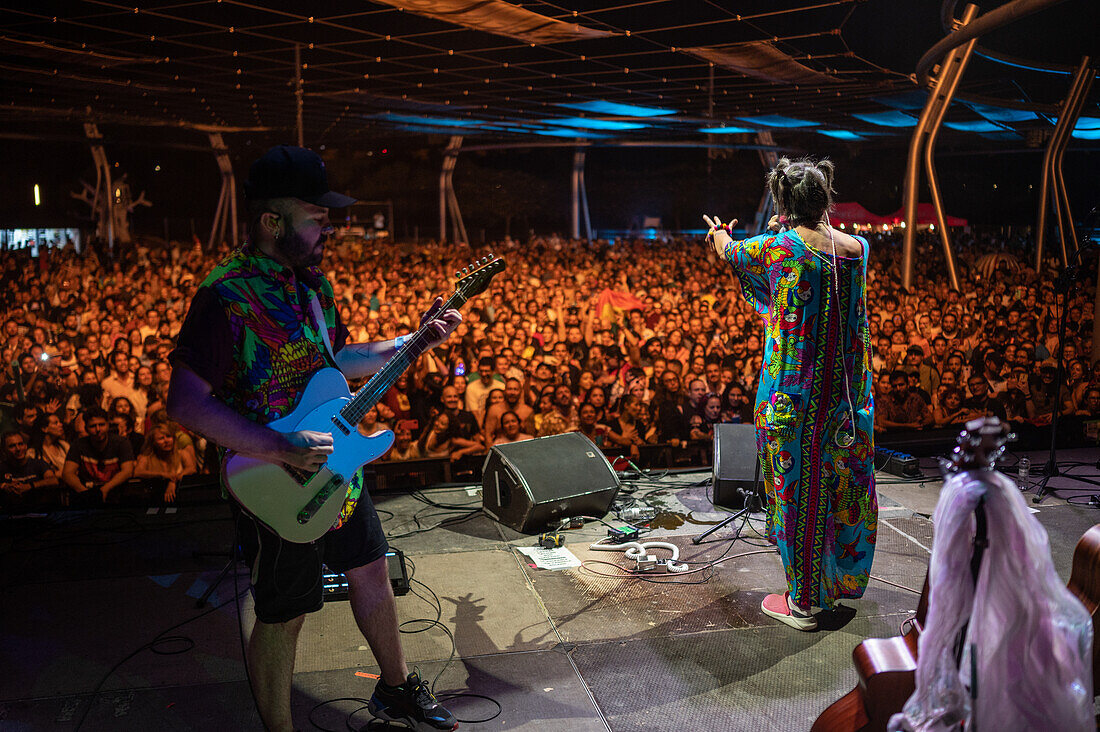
point(778, 607)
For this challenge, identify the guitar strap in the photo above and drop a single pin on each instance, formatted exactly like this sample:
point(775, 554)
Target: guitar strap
point(319, 320)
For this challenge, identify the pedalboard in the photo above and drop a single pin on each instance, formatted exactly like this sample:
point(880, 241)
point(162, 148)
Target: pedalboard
point(334, 585)
point(896, 463)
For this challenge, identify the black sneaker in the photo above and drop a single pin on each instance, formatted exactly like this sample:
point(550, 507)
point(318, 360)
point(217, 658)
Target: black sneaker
point(412, 704)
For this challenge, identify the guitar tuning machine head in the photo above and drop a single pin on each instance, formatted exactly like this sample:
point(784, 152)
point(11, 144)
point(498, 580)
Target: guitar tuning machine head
point(457, 274)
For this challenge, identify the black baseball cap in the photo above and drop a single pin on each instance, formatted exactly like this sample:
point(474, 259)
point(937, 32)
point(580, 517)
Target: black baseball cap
point(292, 172)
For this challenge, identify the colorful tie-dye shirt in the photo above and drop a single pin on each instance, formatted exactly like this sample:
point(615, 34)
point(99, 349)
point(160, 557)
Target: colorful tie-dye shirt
point(275, 343)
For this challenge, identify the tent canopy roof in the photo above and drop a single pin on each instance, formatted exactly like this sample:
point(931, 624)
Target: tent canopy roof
point(507, 70)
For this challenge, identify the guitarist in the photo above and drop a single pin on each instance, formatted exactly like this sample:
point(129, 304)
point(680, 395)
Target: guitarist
point(244, 355)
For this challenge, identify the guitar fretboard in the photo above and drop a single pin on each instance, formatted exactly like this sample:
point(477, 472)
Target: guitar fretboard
point(372, 392)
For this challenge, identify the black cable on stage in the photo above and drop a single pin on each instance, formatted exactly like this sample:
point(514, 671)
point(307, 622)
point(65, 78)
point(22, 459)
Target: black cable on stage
point(420, 529)
point(155, 646)
point(234, 555)
point(420, 496)
point(436, 604)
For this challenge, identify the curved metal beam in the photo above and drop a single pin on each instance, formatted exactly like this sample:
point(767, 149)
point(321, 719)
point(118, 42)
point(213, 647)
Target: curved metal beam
point(958, 60)
point(930, 118)
point(947, 16)
point(994, 19)
point(1070, 109)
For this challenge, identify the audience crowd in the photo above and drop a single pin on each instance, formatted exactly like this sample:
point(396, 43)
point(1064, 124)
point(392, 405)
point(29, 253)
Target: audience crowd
point(633, 343)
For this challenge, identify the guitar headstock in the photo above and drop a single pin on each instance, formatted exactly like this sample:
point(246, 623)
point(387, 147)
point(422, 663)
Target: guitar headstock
point(979, 445)
point(475, 277)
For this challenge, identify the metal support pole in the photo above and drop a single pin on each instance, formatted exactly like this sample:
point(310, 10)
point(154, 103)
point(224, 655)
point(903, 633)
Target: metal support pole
point(1052, 161)
point(955, 67)
point(218, 213)
point(225, 215)
point(584, 209)
point(447, 198)
point(104, 187)
point(578, 169)
point(459, 225)
point(1067, 232)
point(938, 101)
point(298, 90)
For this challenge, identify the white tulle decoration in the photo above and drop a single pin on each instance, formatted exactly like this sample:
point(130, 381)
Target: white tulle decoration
point(1032, 638)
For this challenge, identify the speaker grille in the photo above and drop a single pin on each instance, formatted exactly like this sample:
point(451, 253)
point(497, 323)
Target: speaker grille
point(736, 477)
point(530, 484)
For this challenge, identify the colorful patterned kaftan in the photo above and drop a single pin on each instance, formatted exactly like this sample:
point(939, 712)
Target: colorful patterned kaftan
point(821, 485)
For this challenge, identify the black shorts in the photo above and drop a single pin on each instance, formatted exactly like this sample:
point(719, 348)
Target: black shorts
point(286, 579)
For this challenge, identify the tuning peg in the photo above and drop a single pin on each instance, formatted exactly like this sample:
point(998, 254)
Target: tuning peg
point(457, 274)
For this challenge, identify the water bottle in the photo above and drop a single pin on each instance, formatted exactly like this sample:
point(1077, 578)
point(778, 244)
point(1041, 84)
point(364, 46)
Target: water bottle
point(1023, 473)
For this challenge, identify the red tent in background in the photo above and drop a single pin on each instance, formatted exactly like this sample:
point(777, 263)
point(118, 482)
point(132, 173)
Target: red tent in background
point(926, 215)
point(852, 213)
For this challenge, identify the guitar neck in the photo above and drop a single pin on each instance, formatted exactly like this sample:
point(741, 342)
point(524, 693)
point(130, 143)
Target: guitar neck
point(375, 388)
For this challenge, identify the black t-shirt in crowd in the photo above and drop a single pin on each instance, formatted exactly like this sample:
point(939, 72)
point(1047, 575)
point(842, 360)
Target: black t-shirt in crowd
point(988, 404)
point(463, 424)
point(99, 466)
point(673, 420)
point(33, 469)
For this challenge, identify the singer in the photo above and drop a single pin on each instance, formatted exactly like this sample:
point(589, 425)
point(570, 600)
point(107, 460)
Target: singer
point(814, 409)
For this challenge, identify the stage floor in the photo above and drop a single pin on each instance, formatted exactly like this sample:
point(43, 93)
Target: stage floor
point(84, 595)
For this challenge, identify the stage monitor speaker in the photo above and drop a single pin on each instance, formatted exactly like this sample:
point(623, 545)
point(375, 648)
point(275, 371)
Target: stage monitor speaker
point(736, 479)
point(532, 484)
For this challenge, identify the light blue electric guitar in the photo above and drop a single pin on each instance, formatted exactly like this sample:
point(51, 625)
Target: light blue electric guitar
point(301, 506)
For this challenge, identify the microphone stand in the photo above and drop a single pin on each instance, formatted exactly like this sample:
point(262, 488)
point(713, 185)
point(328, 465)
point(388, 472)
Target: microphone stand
point(1064, 283)
point(753, 503)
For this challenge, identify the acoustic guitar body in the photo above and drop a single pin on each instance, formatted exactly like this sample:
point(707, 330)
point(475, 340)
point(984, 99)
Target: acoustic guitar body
point(887, 677)
point(887, 671)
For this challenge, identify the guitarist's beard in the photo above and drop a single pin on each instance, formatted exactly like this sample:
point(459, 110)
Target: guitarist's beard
point(299, 253)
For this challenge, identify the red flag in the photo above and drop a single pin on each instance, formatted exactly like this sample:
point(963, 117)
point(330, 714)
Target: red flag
point(611, 304)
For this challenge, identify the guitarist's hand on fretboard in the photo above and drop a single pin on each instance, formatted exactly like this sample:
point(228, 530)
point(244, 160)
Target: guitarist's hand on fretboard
point(307, 450)
point(442, 324)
